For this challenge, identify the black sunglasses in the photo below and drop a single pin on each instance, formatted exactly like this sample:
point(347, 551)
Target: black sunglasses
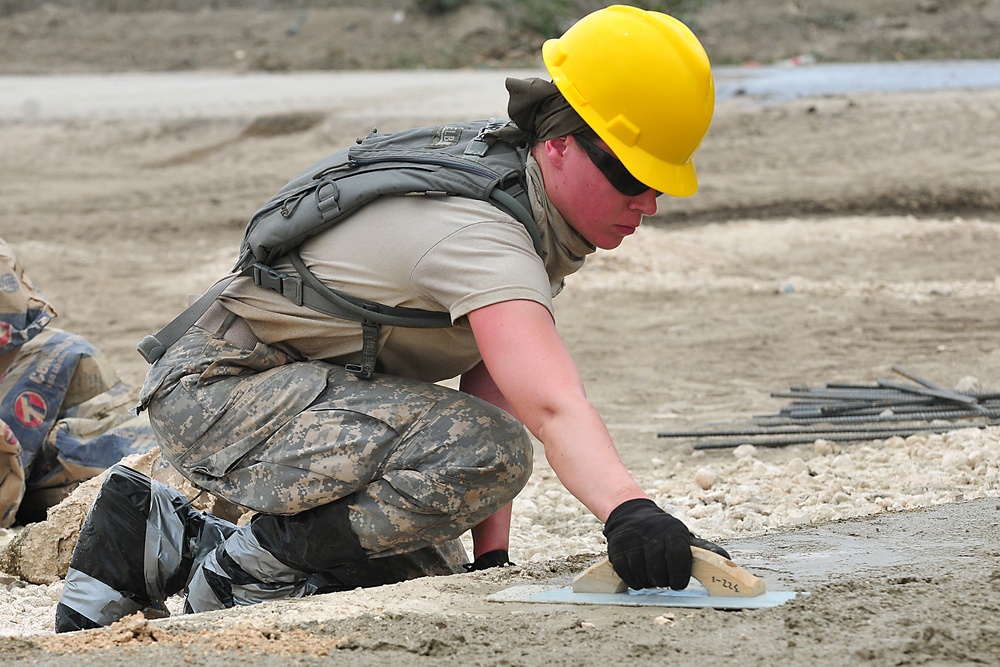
point(613, 169)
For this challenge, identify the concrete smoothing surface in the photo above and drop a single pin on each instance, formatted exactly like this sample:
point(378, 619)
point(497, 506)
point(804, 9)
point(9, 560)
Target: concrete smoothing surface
point(946, 536)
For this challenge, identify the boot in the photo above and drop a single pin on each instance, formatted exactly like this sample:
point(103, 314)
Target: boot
point(134, 520)
point(275, 556)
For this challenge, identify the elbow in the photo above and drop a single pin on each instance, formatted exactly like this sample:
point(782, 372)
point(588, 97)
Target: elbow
point(568, 412)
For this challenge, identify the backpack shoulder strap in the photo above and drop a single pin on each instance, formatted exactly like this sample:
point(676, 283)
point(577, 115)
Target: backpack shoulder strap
point(429, 161)
point(463, 159)
point(152, 346)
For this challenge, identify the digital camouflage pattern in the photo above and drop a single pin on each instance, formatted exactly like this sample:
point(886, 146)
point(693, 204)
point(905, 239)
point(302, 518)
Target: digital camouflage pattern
point(420, 463)
point(63, 411)
point(11, 475)
point(24, 311)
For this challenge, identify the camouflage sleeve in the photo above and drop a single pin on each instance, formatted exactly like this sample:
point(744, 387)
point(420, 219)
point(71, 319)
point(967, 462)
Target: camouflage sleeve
point(11, 476)
point(24, 311)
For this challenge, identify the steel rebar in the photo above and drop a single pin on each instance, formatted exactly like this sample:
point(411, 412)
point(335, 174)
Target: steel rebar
point(858, 436)
point(855, 419)
point(856, 412)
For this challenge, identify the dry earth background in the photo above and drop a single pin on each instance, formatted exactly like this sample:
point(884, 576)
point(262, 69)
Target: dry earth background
point(833, 237)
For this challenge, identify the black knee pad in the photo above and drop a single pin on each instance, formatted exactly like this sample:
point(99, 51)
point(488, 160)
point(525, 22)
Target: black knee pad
point(110, 554)
point(113, 536)
point(111, 543)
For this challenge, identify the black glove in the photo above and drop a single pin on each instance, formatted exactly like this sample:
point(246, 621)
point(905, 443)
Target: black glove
point(710, 546)
point(647, 547)
point(489, 559)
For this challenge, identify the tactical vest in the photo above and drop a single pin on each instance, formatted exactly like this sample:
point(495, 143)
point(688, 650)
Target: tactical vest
point(482, 160)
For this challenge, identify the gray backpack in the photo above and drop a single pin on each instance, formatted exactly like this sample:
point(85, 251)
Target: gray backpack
point(477, 159)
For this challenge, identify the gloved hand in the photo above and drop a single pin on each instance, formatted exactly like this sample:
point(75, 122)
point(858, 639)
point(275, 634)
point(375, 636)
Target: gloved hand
point(647, 547)
point(710, 546)
point(497, 558)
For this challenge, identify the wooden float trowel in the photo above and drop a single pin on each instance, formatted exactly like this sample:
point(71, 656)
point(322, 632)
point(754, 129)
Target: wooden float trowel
point(724, 585)
point(719, 575)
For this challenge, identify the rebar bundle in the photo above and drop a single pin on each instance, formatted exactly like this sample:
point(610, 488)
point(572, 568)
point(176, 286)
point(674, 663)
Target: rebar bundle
point(854, 413)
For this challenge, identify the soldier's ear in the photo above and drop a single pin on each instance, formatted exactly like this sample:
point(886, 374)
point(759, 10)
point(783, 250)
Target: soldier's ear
point(555, 150)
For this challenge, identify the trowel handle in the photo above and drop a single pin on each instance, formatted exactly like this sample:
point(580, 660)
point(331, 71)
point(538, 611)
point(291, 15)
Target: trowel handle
point(719, 575)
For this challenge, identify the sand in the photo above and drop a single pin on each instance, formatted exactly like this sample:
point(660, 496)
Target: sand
point(833, 238)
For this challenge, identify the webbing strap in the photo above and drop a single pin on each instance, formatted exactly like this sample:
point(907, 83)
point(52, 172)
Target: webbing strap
point(153, 346)
point(319, 297)
point(369, 351)
point(308, 291)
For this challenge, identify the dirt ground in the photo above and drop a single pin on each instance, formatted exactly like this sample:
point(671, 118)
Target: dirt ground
point(832, 238)
point(340, 34)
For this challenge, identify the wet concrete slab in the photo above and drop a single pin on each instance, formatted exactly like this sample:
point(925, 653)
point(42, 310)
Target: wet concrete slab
point(794, 562)
point(944, 535)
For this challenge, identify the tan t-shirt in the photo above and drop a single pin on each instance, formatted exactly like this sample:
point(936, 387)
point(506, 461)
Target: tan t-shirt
point(447, 254)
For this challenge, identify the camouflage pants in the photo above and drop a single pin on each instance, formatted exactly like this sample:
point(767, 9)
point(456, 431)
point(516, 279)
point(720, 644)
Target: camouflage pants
point(419, 464)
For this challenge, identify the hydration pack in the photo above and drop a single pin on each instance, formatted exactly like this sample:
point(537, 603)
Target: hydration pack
point(482, 160)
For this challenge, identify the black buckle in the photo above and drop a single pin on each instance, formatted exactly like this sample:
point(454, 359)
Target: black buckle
point(287, 286)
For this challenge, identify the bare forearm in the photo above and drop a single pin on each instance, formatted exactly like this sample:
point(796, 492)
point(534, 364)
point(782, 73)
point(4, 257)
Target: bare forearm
point(530, 365)
point(583, 456)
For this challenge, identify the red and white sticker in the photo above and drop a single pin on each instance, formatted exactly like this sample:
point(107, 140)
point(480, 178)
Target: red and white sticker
point(30, 408)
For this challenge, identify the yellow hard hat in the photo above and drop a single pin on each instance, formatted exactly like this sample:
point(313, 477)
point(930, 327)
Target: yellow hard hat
point(642, 81)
